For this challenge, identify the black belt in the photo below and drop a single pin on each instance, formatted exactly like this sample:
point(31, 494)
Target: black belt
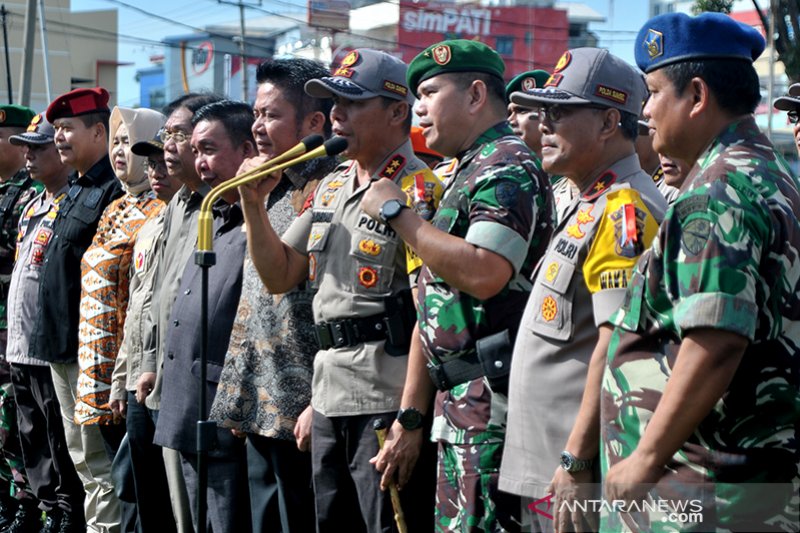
point(351, 331)
point(491, 358)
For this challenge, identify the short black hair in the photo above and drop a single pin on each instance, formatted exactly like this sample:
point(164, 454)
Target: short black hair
point(90, 119)
point(495, 86)
point(191, 101)
point(236, 118)
point(733, 82)
point(629, 124)
point(291, 75)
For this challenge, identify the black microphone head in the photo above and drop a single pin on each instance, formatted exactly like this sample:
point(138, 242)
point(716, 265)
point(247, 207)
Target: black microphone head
point(312, 141)
point(335, 145)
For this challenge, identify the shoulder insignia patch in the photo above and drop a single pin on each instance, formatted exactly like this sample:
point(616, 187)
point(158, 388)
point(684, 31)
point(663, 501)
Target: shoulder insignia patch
point(695, 235)
point(393, 166)
point(600, 186)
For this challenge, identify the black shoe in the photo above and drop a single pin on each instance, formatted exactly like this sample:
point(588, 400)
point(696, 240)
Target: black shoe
point(27, 520)
point(51, 522)
point(8, 510)
point(71, 524)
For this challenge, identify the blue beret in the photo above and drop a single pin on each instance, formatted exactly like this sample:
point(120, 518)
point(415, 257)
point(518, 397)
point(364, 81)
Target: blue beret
point(675, 37)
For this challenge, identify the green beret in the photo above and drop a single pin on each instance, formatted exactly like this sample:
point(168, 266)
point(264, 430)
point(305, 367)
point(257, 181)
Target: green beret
point(455, 55)
point(15, 116)
point(532, 79)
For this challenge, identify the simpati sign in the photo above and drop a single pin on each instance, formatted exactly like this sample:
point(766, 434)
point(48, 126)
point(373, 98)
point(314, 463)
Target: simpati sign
point(470, 21)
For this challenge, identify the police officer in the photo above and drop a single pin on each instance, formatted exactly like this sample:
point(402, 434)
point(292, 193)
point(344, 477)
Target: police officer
point(16, 190)
point(360, 271)
point(706, 340)
point(494, 221)
point(589, 110)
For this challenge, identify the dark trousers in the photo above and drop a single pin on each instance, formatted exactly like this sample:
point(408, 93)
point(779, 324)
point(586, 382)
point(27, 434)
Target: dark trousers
point(50, 470)
point(279, 475)
point(227, 495)
point(112, 435)
point(149, 477)
point(347, 486)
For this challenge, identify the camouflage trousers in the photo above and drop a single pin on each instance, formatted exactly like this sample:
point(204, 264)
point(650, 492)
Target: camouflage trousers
point(12, 470)
point(467, 497)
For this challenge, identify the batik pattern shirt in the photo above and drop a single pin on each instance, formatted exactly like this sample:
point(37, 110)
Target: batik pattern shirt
point(105, 276)
point(500, 200)
point(727, 257)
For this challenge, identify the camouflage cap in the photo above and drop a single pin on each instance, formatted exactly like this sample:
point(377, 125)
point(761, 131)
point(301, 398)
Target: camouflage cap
point(456, 55)
point(15, 116)
point(150, 147)
point(589, 76)
point(676, 37)
point(527, 81)
point(362, 74)
point(39, 131)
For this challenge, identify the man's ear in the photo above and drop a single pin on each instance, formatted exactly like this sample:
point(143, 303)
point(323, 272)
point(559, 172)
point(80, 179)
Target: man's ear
point(477, 94)
point(314, 122)
point(399, 112)
point(701, 96)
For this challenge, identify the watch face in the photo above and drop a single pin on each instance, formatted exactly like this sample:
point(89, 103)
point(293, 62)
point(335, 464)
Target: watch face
point(410, 418)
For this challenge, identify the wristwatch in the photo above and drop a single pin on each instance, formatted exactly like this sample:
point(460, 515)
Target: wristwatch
point(391, 209)
point(571, 464)
point(410, 418)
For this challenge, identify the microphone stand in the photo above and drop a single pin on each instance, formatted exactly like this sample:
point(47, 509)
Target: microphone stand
point(205, 258)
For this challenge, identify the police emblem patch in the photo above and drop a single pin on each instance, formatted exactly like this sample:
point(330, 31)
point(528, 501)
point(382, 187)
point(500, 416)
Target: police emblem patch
point(369, 247)
point(575, 232)
point(549, 308)
point(441, 54)
point(350, 59)
point(552, 271)
point(367, 277)
point(563, 62)
point(654, 42)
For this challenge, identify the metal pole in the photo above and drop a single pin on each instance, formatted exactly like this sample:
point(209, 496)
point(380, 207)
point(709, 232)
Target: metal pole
point(771, 81)
point(27, 54)
point(243, 54)
point(45, 54)
point(3, 14)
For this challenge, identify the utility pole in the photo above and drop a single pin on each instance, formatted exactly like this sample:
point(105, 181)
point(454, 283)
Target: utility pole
point(28, 53)
point(242, 43)
point(45, 55)
point(3, 14)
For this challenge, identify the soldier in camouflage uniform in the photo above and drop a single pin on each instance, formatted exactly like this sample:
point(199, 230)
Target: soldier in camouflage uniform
point(494, 222)
point(16, 190)
point(700, 403)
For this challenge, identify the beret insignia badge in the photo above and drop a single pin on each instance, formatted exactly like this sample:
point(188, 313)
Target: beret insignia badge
point(654, 42)
point(442, 54)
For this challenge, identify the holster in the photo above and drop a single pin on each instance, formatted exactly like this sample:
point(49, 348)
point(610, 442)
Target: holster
point(491, 358)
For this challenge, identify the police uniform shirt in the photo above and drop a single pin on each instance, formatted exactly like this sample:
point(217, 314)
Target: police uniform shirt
point(577, 286)
point(354, 262)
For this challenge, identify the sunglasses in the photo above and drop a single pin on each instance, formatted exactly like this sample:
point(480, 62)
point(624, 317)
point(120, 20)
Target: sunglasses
point(557, 112)
point(793, 116)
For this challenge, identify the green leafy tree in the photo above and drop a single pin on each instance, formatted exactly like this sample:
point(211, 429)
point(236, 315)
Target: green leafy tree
point(787, 33)
point(718, 6)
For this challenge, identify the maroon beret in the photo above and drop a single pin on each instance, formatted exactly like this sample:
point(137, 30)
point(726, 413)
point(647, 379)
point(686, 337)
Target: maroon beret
point(78, 102)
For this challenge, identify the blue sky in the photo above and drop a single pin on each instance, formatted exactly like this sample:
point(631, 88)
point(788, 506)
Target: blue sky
point(617, 34)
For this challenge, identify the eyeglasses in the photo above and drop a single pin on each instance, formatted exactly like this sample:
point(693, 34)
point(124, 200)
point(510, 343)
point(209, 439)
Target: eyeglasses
point(557, 112)
point(177, 136)
point(154, 164)
point(793, 116)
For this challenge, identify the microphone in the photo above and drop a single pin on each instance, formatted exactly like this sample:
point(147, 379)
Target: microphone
point(331, 147)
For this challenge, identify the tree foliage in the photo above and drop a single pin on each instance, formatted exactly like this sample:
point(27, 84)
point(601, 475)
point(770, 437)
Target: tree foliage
point(719, 6)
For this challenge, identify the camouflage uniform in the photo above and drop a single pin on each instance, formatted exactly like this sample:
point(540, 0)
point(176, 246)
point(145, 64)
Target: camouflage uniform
point(500, 200)
point(15, 193)
point(726, 257)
